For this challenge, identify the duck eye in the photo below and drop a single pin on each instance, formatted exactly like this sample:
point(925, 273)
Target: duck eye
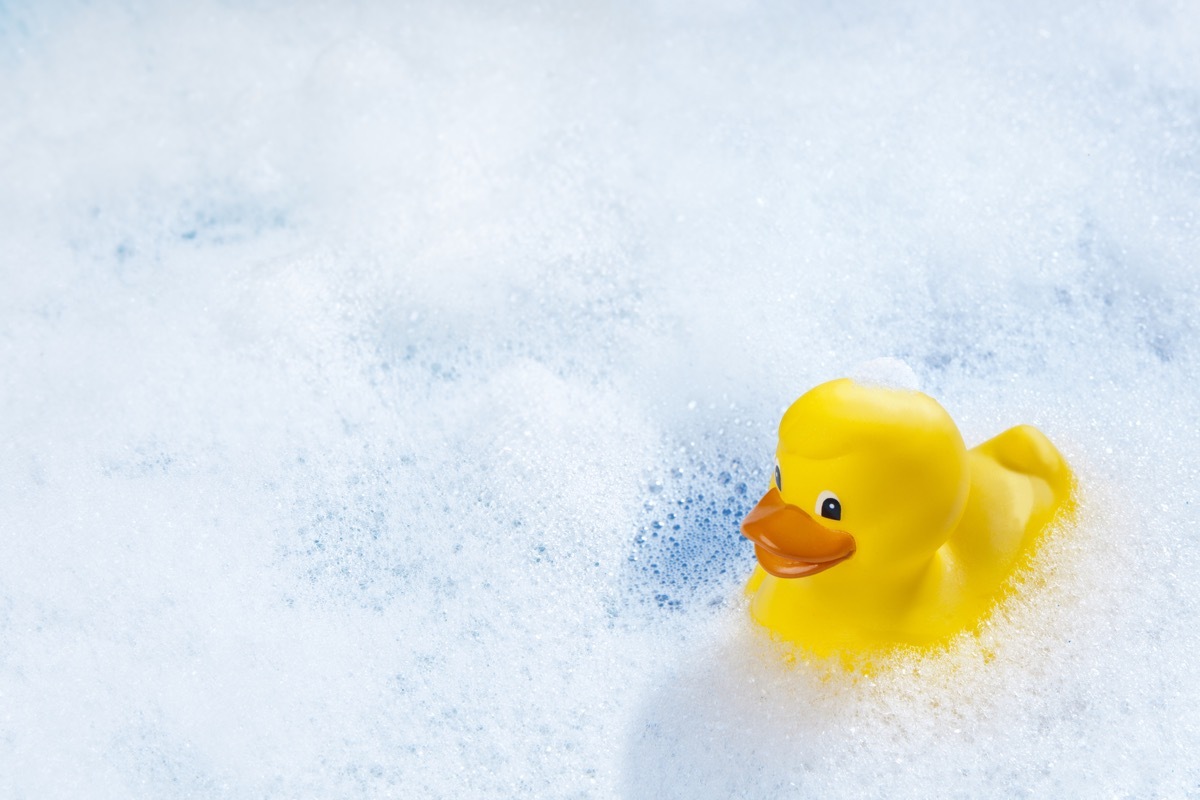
point(778, 478)
point(829, 506)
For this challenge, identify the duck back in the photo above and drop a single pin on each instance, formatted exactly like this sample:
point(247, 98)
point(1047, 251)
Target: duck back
point(1019, 482)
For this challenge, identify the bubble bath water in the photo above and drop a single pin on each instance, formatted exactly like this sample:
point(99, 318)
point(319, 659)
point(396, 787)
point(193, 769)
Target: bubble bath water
point(382, 387)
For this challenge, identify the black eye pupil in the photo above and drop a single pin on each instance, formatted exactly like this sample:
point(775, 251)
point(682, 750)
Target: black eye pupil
point(778, 478)
point(831, 509)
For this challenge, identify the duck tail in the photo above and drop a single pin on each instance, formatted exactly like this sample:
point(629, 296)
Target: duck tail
point(1025, 449)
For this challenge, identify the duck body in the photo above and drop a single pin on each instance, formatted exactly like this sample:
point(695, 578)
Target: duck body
point(881, 529)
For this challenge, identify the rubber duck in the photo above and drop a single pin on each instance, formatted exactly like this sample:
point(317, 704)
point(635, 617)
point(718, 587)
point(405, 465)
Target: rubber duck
point(881, 529)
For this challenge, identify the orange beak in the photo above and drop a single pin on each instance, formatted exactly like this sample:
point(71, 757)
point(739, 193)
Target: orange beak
point(791, 544)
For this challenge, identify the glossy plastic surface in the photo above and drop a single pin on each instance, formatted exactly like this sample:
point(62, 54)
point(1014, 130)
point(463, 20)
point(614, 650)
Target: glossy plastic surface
point(880, 528)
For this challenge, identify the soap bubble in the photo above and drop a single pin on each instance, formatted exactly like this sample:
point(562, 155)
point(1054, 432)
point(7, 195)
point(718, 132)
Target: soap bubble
point(888, 373)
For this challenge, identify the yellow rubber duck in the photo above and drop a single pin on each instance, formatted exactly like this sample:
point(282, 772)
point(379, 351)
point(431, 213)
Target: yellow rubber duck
point(880, 528)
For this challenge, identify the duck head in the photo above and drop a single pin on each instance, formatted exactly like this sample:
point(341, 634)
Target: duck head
point(868, 477)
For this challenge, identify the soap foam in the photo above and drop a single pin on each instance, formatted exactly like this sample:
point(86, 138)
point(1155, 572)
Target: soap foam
point(382, 388)
point(886, 373)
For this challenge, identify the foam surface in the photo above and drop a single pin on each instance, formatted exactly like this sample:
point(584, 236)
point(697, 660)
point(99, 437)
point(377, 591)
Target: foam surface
point(380, 389)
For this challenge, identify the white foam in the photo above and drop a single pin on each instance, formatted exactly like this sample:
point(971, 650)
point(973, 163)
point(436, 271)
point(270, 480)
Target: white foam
point(380, 389)
point(887, 373)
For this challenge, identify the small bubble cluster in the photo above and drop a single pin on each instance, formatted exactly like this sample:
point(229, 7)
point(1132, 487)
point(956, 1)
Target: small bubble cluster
point(690, 553)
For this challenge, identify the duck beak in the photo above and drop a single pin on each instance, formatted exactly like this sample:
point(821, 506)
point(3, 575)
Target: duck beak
point(791, 544)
